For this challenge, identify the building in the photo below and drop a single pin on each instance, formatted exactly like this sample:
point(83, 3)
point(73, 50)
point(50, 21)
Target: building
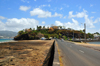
point(96, 36)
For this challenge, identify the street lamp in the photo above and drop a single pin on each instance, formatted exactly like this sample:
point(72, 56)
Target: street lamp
point(84, 32)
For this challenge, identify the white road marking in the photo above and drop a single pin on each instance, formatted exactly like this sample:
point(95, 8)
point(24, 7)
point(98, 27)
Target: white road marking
point(56, 63)
point(81, 51)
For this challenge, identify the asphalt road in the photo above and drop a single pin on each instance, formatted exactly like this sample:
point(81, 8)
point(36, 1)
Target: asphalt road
point(75, 55)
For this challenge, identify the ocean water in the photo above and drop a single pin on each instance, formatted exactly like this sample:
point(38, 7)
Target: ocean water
point(94, 42)
point(5, 40)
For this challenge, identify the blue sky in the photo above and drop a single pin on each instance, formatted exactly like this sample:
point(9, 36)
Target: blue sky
point(16, 15)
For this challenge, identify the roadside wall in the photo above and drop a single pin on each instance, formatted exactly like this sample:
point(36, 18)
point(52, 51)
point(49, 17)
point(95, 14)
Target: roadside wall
point(50, 56)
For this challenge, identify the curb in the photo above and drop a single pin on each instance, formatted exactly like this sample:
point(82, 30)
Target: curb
point(57, 58)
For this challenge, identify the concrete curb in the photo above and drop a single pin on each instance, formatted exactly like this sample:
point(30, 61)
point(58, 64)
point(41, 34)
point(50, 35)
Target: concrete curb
point(56, 57)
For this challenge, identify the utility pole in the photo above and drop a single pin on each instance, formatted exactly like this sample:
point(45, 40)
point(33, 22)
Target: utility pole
point(85, 32)
point(73, 35)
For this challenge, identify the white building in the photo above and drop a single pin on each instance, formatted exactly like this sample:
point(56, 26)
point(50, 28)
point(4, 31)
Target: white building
point(96, 36)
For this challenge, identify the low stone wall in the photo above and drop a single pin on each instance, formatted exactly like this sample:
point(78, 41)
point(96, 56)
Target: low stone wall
point(50, 56)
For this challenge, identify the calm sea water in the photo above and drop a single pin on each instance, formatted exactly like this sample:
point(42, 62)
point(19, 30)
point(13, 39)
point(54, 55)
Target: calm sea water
point(94, 42)
point(5, 40)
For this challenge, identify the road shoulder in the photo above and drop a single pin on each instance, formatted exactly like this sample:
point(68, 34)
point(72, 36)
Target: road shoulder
point(57, 57)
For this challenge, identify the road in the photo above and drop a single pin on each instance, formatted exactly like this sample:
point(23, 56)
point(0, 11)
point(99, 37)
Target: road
point(75, 55)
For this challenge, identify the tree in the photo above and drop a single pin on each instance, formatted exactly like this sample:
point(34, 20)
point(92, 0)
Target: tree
point(60, 27)
point(43, 27)
point(46, 36)
point(96, 33)
point(20, 32)
point(30, 28)
point(39, 35)
point(90, 35)
point(64, 27)
point(69, 29)
point(81, 31)
point(33, 28)
point(39, 27)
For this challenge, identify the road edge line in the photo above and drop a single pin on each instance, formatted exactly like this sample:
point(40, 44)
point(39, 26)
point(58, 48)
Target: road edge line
point(60, 58)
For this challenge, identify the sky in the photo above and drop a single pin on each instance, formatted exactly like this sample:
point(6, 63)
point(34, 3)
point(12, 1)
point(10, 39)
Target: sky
point(17, 15)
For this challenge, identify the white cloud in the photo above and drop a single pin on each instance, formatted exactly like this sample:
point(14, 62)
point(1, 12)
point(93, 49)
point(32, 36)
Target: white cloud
point(28, 2)
point(34, 0)
point(74, 24)
point(89, 22)
point(49, 0)
point(58, 23)
point(24, 8)
point(97, 20)
point(49, 5)
point(15, 24)
point(44, 5)
point(56, 14)
point(66, 5)
point(2, 26)
point(61, 8)
point(43, 22)
point(40, 13)
point(25, 1)
point(43, 14)
point(91, 5)
point(70, 14)
point(78, 15)
point(93, 12)
point(1, 17)
point(80, 7)
point(64, 17)
point(92, 17)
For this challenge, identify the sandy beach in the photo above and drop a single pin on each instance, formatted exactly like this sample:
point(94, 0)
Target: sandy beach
point(92, 46)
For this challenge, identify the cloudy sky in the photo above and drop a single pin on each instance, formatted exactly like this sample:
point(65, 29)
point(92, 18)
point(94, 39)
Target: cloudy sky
point(16, 15)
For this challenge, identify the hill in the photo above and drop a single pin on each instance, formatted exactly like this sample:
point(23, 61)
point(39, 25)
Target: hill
point(8, 34)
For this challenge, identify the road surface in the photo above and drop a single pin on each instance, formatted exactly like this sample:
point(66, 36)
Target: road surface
point(75, 55)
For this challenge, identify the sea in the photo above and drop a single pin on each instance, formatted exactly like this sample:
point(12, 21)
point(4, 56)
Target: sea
point(94, 42)
point(5, 40)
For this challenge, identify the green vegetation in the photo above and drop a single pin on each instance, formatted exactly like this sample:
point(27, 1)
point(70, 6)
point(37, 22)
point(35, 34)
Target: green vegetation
point(54, 32)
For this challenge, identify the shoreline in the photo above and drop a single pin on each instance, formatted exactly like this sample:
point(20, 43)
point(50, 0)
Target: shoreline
point(8, 41)
point(23, 41)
